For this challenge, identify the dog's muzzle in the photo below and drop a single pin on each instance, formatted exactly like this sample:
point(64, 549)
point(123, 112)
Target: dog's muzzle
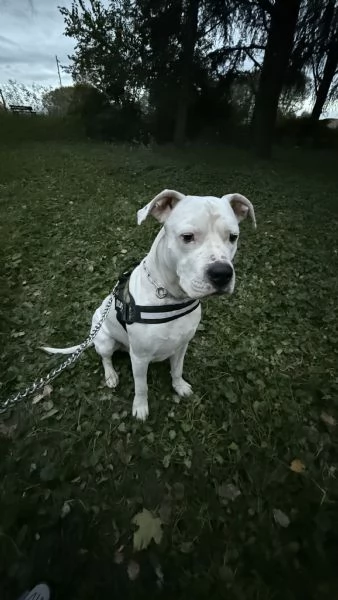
point(220, 275)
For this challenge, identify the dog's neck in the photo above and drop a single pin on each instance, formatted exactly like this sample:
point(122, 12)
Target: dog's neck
point(161, 269)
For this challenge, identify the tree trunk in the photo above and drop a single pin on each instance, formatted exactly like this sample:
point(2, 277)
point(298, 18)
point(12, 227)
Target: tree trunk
point(284, 16)
point(189, 37)
point(330, 69)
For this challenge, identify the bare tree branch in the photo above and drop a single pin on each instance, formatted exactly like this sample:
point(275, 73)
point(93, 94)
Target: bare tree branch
point(256, 63)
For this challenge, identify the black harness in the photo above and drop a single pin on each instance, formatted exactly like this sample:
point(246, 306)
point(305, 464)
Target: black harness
point(128, 312)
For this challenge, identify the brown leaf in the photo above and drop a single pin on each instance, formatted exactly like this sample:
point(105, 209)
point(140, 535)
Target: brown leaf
point(149, 528)
point(328, 419)
point(46, 392)
point(297, 466)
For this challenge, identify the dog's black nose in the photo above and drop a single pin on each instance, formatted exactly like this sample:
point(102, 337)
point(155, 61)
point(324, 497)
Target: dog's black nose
point(219, 274)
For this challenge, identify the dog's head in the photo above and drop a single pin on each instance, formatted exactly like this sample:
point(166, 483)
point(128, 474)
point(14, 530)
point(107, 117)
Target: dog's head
point(201, 234)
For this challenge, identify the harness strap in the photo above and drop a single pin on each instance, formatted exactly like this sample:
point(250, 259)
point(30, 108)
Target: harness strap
point(128, 312)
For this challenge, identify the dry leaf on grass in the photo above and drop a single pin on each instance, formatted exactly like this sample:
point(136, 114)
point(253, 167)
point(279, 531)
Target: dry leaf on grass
point(228, 491)
point(48, 405)
point(49, 414)
point(297, 466)
point(46, 392)
point(281, 518)
point(328, 419)
point(149, 528)
point(65, 510)
point(133, 570)
point(119, 556)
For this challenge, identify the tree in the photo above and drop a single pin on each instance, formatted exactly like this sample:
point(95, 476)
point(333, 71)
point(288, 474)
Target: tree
point(283, 16)
point(325, 60)
point(188, 41)
point(106, 48)
point(58, 100)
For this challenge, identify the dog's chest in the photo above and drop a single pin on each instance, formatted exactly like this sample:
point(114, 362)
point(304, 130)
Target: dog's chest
point(162, 340)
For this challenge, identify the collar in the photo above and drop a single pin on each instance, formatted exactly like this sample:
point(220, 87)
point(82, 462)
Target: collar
point(160, 291)
point(128, 312)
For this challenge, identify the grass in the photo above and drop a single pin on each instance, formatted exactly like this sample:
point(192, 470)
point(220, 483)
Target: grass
point(238, 522)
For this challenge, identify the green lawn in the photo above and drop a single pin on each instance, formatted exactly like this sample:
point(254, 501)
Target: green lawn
point(238, 522)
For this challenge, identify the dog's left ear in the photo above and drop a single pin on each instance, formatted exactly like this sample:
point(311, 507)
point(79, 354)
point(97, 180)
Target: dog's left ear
point(242, 207)
point(160, 207)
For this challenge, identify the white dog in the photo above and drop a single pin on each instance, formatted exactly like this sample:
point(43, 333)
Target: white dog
point(157, 308)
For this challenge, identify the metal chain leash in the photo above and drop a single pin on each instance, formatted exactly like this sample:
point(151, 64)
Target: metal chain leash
point(40, 383)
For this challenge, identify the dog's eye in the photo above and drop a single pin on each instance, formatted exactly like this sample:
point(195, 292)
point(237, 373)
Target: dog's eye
point(188, 237)
point(233, 237)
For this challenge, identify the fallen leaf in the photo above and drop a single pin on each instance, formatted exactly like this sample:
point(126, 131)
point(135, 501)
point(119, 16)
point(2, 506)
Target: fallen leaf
point(228, 491)
point(149, 528)
point(233, 446)
point(65, 510)
point(118, 557)
point(133, 570)
point(297, 466)
point(281, 518)
point(48, 405)
point(186, 547)
point(166, 461)
point(47, 390)
point(159, 575)
point(50, 413)
point(123, 455)
point(328, 419)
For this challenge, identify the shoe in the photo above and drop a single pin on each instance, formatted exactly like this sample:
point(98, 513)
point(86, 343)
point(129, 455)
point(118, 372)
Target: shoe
point(40, 592)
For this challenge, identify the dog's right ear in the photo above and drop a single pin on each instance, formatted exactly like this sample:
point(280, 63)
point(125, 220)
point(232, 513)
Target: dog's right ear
point(160, 207)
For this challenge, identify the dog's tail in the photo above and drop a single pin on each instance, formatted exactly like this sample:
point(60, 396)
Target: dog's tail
point(69, 350)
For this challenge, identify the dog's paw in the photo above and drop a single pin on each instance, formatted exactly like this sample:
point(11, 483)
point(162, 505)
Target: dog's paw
point(140, 409)
point(112, 379)
point(182, 387)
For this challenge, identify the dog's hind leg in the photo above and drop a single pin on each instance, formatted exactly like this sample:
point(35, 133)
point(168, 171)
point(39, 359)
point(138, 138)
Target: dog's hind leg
point(105, 346)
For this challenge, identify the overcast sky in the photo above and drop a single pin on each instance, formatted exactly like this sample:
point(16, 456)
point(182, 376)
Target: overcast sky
point(31, 34)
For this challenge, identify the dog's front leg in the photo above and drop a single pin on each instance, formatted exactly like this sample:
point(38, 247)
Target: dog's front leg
point(140, 369)
point(182, 387)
